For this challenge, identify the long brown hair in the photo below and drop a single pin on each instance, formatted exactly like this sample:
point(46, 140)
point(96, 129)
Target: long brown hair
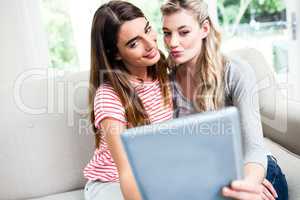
point(210, 63)
point(106, 68)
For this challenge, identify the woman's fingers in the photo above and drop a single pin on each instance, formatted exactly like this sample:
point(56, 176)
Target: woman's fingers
point(240, 195)
point(264, 197)
point(267, 194)
point(246, 186)
point(270, 187)
point(244, 190)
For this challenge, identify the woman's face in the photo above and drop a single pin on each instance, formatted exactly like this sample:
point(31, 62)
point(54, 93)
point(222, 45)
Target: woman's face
point(183, 36)
point(137, 46)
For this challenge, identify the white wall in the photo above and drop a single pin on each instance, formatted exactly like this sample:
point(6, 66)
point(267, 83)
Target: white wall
point(23, 42)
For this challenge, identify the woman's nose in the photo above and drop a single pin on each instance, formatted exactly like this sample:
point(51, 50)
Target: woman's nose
point(174, 42)
point(150, 42)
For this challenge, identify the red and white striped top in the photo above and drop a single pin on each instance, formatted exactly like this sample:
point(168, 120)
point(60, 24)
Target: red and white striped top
point(107, 104)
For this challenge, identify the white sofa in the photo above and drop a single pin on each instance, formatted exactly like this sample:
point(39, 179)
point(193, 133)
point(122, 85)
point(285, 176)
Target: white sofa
point(45, 142)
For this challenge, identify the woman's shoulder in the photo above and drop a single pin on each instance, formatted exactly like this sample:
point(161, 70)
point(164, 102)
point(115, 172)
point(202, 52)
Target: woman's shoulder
point(105, 87)
point(107, 104)
point(238, 69)
point(107, 91)
point(239, 76)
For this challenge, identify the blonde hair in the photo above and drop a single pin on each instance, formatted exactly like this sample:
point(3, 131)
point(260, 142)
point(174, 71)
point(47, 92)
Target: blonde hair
point(209, 94)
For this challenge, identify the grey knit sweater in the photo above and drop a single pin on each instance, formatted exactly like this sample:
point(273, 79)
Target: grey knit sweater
point(241, 92)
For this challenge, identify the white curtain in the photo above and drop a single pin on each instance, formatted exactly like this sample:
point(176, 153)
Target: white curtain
point(212, 9)
point(22, 38)
point(81, 14)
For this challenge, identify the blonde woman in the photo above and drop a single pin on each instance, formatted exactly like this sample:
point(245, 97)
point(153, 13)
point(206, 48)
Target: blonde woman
point(205, 80)
point(127, 88)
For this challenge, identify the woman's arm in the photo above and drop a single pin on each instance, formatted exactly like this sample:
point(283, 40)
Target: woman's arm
point(112, 129)
point(254, 172)
point(242, 89)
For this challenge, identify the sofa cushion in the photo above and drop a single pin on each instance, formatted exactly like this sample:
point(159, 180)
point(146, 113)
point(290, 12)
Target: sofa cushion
point(279, 112)
point(73, 195)
point(45, 139)
point(290, 165)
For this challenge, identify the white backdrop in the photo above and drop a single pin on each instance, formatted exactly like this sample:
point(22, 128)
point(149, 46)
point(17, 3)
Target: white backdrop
point(22, 38)
point(293, 7)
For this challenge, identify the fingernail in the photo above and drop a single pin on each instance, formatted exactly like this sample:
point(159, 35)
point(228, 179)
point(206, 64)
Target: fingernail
point(225, 190)
point(235, 184)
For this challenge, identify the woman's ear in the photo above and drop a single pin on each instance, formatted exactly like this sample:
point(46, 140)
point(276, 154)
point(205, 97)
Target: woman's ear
point(205, 29)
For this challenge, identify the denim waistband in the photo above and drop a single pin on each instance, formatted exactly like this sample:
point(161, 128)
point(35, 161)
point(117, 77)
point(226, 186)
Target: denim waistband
point(272, 158)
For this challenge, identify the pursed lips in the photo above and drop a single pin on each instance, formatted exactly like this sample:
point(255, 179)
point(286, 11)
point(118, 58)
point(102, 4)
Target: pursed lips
point(176, 53)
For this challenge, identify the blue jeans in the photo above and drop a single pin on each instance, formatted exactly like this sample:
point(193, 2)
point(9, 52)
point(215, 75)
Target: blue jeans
point(277, 178)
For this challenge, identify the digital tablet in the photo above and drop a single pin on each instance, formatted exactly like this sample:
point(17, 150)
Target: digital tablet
point(190, 157)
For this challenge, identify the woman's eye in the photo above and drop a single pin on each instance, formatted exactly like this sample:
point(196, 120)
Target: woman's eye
point(167, 33)
point(133, 45)
point(183, 33)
